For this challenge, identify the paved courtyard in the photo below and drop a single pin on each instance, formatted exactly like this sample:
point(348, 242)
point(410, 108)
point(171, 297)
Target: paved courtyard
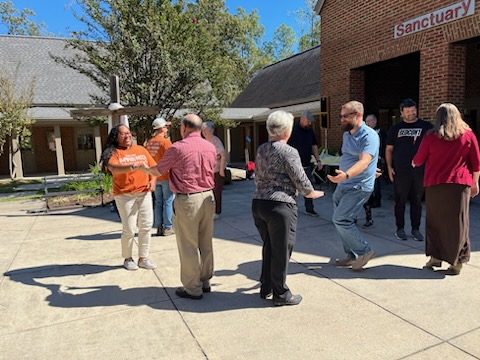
point(64, 294)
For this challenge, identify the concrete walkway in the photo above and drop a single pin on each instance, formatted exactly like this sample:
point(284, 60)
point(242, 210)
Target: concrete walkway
point(64, 294)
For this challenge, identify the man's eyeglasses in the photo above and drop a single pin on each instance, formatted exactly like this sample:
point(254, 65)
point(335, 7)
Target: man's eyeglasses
point(345, 116)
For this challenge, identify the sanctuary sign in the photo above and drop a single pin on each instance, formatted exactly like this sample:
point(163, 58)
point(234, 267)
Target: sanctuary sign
point(438, 17)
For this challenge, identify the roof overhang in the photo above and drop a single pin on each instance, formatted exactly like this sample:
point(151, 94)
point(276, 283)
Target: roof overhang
point(296, 110)
point(242, 114)
point(318, 6)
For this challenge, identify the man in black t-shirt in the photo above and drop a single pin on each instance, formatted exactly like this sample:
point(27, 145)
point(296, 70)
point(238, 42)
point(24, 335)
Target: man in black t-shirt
point(303, 139)
point(402, 144)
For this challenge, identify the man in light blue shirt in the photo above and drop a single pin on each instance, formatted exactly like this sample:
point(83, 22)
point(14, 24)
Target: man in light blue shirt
point(355, 179)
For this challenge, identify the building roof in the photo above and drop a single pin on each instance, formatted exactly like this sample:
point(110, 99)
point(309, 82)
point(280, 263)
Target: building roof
point(296, 110)
point(240, 114)
point(318, 6)
point(291, 81)
point(55, 84)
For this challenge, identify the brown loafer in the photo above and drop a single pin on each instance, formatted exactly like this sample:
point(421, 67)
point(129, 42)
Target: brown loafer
point(347, 261)
point(181, 292)
point(433, 262)
point(454, 269)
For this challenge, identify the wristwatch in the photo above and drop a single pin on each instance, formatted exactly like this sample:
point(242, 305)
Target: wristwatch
point(347, 176)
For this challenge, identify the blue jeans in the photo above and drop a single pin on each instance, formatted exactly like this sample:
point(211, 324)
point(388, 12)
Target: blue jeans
point(347, 204)
point(163, 214)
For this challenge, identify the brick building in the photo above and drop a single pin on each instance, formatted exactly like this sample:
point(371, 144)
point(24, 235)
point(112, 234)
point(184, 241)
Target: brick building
point(379, 52)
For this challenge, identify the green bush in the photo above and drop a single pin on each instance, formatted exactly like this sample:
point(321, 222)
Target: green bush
point(102, 180)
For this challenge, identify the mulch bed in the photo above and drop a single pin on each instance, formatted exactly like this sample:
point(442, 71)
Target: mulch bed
point(71, 201)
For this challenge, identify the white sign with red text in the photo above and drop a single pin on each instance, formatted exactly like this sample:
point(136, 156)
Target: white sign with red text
point(438, 17)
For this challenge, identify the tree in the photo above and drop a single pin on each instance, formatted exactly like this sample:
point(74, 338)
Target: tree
point(173, 54)
point(18, 22)
point(14, 119)
point(310, 23)
point(281, 46)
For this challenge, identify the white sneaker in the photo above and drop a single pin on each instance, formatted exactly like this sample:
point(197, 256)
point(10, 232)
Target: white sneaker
point(129, 264)
point(146, 264)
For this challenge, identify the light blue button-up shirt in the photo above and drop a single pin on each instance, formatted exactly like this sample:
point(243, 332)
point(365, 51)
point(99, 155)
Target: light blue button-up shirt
point(364, 140)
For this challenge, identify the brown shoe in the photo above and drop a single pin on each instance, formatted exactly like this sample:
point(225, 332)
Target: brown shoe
point(347, 261)
point(362, 260)
point(168, 232)
point(454, 269)
point(433, 262)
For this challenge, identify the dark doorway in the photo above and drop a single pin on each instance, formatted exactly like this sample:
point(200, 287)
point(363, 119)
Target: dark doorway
point(387, 83)
point(472, 85)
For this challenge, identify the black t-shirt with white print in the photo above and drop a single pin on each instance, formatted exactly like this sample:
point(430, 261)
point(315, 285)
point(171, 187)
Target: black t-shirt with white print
point(406, 138)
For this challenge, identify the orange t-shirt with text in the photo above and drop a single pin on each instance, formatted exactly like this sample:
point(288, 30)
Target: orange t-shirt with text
point(157, 146)
point(132, 181)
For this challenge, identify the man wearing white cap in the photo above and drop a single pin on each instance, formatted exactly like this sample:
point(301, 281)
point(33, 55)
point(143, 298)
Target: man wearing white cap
point(157, 145)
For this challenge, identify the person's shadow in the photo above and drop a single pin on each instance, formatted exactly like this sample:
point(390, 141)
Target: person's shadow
point(161, 298)
point(252, 269)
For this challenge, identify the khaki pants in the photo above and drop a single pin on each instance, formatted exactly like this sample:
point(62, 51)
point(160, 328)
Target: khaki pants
point(135, 209)
point(193, 223)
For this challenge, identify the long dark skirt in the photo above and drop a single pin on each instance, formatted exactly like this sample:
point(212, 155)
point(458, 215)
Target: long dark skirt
point(448, 223)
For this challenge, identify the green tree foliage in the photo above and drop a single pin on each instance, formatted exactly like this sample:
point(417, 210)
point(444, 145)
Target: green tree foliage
point(173, 54)
point(282, 44)
point(17, 22)
point(14, 104)
point(310, 24)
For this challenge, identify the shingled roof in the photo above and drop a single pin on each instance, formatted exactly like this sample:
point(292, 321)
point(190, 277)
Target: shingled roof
point(55, 84)
point(294, 80)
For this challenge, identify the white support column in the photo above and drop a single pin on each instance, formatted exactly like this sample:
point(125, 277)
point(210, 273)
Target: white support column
point(98, 143)
point(228, 144)
point(16, 170)
point(59, 150)
point(109, 123)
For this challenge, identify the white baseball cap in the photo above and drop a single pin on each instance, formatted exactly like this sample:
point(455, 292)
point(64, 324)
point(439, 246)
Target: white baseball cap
point(159, 123)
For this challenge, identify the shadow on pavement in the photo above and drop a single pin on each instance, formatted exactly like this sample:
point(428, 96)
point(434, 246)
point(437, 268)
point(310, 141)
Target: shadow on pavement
point(252, 269)
point(111, 235)
point(112, 295)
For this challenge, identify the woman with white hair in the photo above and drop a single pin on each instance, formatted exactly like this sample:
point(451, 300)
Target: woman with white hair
point(279, 177)
point(452, 164)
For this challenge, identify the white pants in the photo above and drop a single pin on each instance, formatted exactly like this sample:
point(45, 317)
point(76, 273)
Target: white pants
point(135, 210)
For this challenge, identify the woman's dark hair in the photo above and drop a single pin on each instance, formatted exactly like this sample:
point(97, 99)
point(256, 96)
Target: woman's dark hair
point(110, 147)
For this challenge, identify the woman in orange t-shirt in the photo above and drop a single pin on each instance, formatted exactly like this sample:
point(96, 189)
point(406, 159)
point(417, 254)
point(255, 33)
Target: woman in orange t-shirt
point(132, 192)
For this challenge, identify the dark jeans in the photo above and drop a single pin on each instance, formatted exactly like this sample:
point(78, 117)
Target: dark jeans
point(277, 223)
point(217, 192)
point(408, 186)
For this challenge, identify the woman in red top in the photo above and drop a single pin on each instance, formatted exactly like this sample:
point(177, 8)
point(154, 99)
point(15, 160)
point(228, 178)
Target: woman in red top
point(450, 152)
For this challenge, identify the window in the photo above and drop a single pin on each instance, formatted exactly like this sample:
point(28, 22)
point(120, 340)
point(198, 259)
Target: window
point(85, 141)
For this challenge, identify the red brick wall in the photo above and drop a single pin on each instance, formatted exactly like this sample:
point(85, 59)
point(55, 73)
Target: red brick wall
point(356, 33)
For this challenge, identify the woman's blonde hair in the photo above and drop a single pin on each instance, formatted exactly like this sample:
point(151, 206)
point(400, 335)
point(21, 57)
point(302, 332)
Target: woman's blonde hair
point(449, 124)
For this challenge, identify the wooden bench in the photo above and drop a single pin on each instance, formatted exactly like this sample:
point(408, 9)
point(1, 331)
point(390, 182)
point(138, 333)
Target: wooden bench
point(53, 184)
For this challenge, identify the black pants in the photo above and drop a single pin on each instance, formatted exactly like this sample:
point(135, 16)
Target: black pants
point(277, 223)
point(308, 202)
point(408, 186)
point(217, 192)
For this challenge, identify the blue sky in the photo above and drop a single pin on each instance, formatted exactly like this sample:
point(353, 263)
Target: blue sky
point(58, 19)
